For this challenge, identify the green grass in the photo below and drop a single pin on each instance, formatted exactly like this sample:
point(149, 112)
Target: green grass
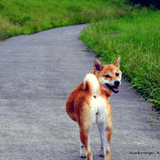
point(136, 37)
point(30, 16)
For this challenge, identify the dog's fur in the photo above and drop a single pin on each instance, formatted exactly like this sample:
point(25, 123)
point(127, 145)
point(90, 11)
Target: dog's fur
point(89, 102)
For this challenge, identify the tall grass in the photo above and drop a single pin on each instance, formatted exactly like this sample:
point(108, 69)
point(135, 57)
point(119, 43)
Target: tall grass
point(123, 30)
point(136, 39)
point(30, 16)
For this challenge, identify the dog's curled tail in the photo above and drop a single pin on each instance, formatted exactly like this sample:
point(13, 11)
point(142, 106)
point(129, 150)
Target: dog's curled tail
point(91, 84)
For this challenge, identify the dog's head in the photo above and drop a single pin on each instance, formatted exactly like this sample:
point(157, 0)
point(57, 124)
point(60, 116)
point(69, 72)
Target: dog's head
point(108, 75)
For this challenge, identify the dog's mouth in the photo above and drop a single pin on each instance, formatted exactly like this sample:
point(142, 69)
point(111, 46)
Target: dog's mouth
point(113, 88)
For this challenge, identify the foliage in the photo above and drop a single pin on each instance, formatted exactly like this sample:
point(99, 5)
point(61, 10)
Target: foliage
point(30, 16)
point(136, 39)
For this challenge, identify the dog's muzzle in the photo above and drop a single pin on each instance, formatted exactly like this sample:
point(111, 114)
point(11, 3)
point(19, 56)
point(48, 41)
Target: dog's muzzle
point(115, 87)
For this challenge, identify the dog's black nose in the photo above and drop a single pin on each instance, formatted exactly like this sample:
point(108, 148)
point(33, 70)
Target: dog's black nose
point(116, 83)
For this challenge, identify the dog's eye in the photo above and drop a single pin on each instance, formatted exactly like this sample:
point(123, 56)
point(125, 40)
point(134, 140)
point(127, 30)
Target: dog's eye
point(117, 74)
point(107, 76)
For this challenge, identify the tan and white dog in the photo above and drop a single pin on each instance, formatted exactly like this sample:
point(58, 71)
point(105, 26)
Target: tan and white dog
point(88, 103)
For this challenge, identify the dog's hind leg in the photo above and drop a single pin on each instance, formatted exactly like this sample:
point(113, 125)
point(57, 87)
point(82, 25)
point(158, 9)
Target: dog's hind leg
point(105, 137)
point(85, 124)
point(102, 131)
point(108, 152)
point(85, 139)
point(82, 150)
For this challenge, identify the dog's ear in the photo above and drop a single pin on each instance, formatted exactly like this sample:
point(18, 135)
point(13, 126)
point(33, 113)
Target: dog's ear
point(117, 62)
point(97, 65)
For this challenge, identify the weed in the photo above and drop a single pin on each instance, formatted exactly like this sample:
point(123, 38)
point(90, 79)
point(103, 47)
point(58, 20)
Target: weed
point(126, 30)
point(27, 17)
point(136, 39)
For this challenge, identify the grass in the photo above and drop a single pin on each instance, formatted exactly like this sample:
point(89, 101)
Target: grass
point(116, 29)
point(136, 38)
point(30, 16)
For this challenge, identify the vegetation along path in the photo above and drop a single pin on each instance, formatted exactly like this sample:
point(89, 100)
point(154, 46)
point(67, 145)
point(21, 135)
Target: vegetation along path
point(37, 74)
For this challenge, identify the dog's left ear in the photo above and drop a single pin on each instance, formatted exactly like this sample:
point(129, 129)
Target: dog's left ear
point(97, 65)
point(117, 62)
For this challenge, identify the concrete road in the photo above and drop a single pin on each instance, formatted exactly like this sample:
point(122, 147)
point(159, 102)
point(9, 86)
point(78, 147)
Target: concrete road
point(37, 74)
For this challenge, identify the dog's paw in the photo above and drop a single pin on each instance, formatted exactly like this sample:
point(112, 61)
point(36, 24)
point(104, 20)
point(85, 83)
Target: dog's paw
point(82, 152)
point(101, 153)
point(83, 156)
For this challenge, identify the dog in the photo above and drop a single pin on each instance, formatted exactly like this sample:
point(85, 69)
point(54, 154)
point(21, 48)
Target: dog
point(89, 103)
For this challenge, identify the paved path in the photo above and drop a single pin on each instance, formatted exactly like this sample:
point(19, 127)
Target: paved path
point(37, 74)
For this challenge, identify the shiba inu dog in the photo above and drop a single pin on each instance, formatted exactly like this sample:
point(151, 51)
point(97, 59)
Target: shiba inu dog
point(88, 103)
